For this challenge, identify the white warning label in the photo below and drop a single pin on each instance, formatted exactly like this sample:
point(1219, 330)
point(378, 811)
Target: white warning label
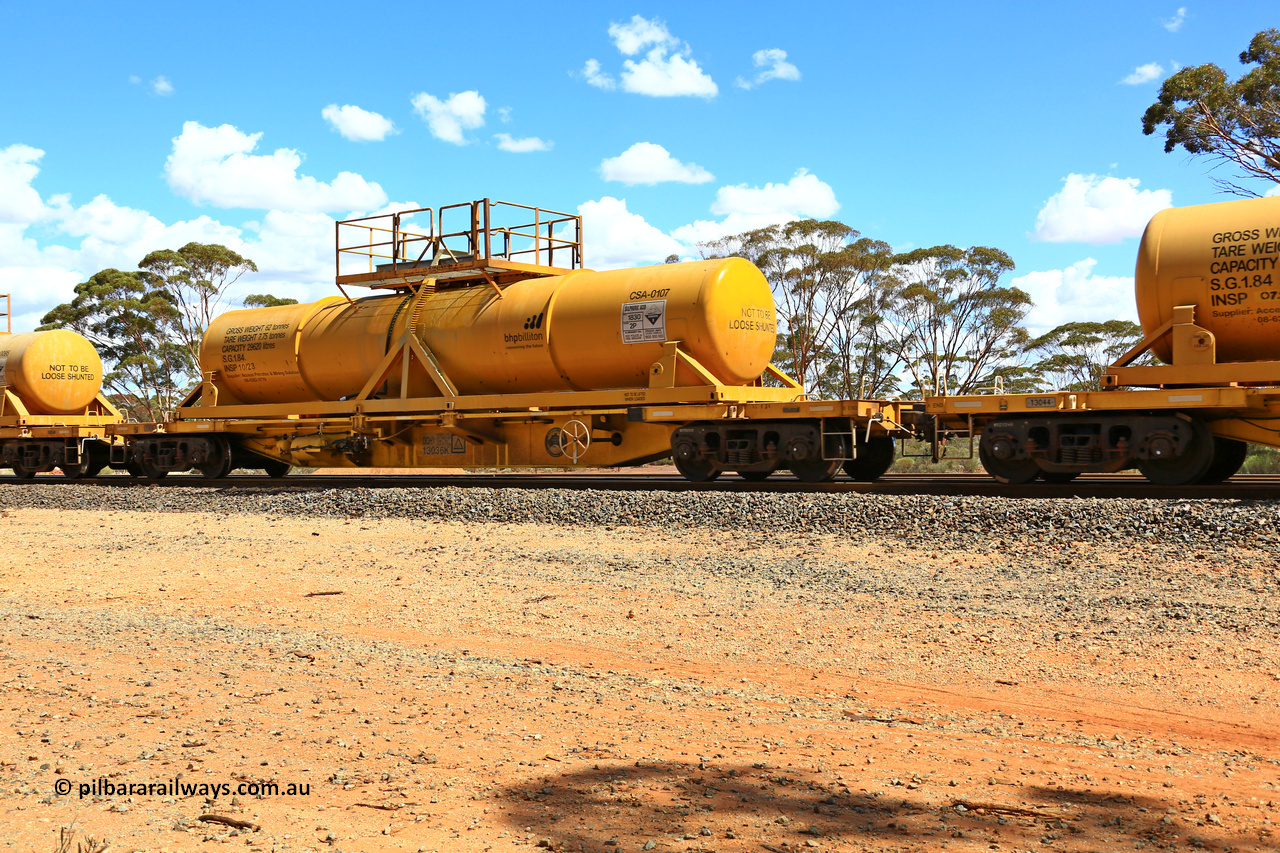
point(644, 322)
point(4, 363)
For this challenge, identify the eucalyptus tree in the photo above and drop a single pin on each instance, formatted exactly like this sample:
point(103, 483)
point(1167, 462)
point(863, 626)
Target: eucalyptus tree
point(1075, 355)
point(951, 324)
point(197, 277)
point(1236, 122)
point(860, 365)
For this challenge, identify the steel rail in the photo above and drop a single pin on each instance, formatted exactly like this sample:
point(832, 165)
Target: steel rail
point(1240, 487)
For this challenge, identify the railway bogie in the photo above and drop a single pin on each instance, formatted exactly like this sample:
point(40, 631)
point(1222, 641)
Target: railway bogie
point(73, 456)
point(1175, 437)
point(814, 450)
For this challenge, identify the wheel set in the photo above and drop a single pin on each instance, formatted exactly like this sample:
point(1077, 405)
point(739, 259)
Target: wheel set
point(1172, 452)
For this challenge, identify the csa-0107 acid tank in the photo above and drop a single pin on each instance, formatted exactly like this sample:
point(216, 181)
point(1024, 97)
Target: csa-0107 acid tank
point(53, 373)
point(1223, 258)
point(584, 330)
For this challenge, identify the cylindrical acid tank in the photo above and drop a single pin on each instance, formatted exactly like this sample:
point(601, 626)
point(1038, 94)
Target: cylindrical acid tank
point(1223, 259)
point(585, 330)
point(53, 373)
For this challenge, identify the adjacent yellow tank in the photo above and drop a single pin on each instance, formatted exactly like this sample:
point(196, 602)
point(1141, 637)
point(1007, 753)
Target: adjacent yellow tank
point(1223, 259)
point(53, 373)
point(585, 330)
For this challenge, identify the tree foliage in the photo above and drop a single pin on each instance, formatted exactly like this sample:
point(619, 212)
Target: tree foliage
point(1075, 355)
point(950, 322)
point(266, 300)
point(196, 277)
point(1231, 121)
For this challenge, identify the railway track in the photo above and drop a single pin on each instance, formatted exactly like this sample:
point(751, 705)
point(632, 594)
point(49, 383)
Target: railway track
point(1240, 487)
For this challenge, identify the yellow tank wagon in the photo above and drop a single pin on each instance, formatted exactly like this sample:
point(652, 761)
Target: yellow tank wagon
point(52, 412)
point(1208, 297)
point(475, 350)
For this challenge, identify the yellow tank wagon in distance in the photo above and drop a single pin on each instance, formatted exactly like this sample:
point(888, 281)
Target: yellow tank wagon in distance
point(475, 350)
point(52, 412)
point(1208, 296)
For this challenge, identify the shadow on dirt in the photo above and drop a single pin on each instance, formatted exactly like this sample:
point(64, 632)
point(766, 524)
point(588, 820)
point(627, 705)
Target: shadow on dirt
point(720, 806)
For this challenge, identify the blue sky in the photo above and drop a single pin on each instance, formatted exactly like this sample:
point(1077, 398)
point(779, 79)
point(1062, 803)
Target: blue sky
point(128, 127)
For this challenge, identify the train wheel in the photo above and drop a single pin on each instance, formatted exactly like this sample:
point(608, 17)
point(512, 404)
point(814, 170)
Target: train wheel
point(134, 468)
point(874, 458)
point(150, 470)
point(816, 470)
point(697, 470)
point(78, 471)
point(92, 460)
point(218, 465)
point(1013, 472)
point(1058, 477)
point(22, 472)
point(755, 476)
point(1228, 456)
point(276, 469)
point(1186, 469)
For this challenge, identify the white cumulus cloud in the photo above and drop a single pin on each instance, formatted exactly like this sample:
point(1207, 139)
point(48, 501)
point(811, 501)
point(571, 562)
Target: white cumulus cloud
point(1175, 23)
point(1075, 295)
point(619, 238)
point(19, 202)
point(662, 76)
point(666, 69)
point(648, 163)
point(162, 86)
point(293, 249)
point(803, 194)
point(215, 165)
point(775, 65)
point(746, 208)
point(356, 124)
point(638, 33)
point(600, 79)
point(448, 119)
point(1096, 209)
point(1144, 74)
point(506, 142)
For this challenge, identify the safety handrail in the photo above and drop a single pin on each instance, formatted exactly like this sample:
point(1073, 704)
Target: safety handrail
point(492, 230)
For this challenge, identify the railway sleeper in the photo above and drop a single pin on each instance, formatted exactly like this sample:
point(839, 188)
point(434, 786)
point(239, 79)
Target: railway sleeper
point(1169, 449)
